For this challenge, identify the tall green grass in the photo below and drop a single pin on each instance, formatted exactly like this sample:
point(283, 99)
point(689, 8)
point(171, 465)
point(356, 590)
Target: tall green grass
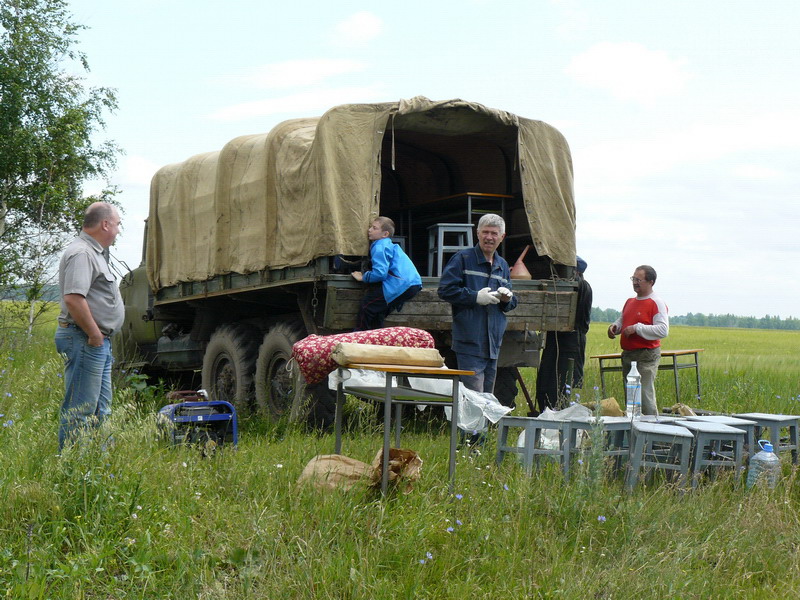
point(143, 520)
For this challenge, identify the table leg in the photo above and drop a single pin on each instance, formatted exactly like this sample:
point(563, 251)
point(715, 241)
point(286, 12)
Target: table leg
point(387, 433)
point(398, 416)
point(602, 379)
point(337, 419)
point(677, 384)
point(453, 435)
point(697, 372)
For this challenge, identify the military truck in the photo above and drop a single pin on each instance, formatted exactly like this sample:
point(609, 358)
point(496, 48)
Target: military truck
point(243, 245)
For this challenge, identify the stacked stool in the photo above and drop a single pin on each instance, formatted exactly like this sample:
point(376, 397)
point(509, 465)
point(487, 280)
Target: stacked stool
point(644, 435)
point(462, 232)
point(533, 427)
point(775, 423)
point(707, 447)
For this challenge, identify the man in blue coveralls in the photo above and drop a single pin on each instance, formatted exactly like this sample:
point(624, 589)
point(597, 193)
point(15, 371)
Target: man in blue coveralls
point(477, 283)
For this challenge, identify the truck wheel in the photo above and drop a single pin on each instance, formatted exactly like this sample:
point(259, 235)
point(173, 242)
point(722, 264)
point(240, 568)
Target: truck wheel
point(228, 365)
point(505, 386)
point(276, 387)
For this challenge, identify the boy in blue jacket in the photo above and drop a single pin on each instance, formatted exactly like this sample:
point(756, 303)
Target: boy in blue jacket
point(393, 278)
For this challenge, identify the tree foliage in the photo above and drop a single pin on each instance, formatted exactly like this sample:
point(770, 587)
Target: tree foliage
point(48, 119)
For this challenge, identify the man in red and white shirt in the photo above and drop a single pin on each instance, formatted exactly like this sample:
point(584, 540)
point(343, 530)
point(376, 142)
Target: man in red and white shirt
point(644, 322)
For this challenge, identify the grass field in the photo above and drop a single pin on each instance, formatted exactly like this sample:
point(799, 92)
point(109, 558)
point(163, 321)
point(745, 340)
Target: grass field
point(142, 520)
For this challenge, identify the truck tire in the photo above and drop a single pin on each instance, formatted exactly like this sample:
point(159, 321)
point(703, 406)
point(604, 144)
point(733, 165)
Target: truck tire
point(228, 365)
point(278, 389)
point(505, 386)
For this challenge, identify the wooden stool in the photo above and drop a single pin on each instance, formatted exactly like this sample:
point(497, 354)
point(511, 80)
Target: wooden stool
point(533, 428)
point(644, 435)
point(775, 424)
point(707, 446)
point(437, 247)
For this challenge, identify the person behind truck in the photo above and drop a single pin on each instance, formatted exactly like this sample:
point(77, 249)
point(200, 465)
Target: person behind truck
point(643, 324)
point(393, 278)
point(477, 283)
point(561, 346)
point(91, 312)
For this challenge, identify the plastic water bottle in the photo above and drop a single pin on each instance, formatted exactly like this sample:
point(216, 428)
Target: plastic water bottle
point(765, 466)
point(633, 393)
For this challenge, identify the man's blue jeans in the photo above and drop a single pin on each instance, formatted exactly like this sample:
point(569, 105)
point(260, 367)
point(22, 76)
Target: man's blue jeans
point(485, 372)
point(87, 383)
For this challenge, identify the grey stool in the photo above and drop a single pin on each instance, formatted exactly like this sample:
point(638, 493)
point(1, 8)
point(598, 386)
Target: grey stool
point(706, 449)
point(749, 427)
point(644, 435)
point(775, 424)
point(437, 247)
point(533, 428)
point(616, 433)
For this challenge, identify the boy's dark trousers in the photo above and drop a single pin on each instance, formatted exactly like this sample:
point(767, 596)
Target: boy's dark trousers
point(374, 307)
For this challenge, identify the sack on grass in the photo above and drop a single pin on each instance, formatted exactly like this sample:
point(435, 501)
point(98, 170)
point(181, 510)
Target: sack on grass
point(683, 410)
point(609, 407)
point(335, 471)
point(331, 471)
point(405, 467)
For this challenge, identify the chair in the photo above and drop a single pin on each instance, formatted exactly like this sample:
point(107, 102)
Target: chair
point(533, 427)
point(645, 435)
point(437, 248)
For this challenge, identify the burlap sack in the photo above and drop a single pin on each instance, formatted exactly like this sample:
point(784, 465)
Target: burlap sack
point(332, 471)
point(348, 353)
point(683, 410)
point(609, 407)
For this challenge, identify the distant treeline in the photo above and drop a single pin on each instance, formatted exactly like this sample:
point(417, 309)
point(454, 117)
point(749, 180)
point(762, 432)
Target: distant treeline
point(49, 293)
point(609, 315)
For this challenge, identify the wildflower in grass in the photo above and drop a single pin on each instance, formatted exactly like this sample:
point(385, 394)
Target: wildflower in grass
point(279, 466)
point(422, 561)
point(577, 396)
point(458, 522)
point(601, 519)
point(8, 423)
point(450, 529)
point(134, 516)
point(580, 461)
point(505, 486)
point(429, 556)
point(8, 394)
point(459, 496)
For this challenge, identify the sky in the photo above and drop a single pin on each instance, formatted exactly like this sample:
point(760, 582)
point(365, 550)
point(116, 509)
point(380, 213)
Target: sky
point(683, 117)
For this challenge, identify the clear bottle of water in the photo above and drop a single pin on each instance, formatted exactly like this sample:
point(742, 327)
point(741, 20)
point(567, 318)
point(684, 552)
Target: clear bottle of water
point(765, 467)
point(633, 393)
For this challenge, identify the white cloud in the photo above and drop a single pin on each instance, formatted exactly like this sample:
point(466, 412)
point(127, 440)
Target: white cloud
point(357, 30)
point(573, 23)
point(293, 73)
point(623, 160)
point(629, 71)
point(760, 172)
point(137, 171)
point(310, 103)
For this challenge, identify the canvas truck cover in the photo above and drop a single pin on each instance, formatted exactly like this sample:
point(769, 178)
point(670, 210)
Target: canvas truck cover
point(310, 187)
